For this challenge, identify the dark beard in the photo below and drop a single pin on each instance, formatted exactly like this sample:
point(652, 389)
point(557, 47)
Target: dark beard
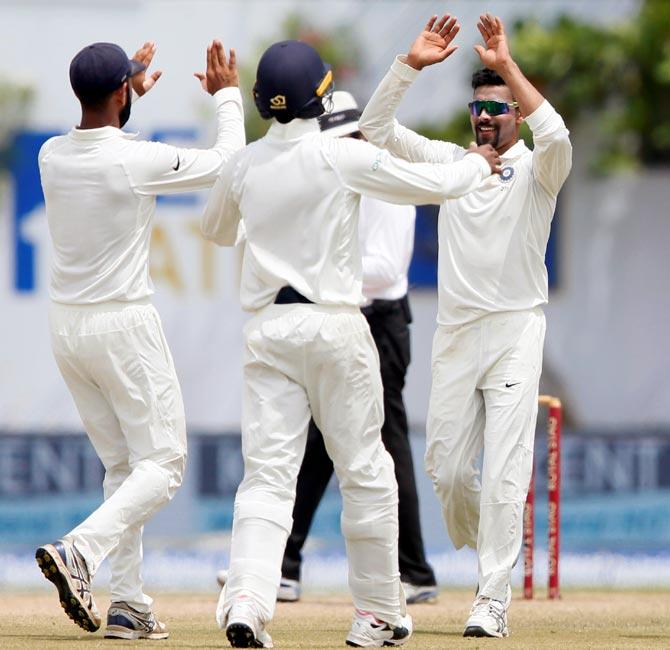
point(493, 142)
point(124, 114)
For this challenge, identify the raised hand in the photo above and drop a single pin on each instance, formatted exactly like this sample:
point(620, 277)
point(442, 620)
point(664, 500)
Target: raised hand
point(491, 155)
point(221, 72)
point(141, 82)
point(496, 53)
point(433, 44)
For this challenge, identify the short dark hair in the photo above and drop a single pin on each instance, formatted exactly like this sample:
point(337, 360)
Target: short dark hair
point(486, 77)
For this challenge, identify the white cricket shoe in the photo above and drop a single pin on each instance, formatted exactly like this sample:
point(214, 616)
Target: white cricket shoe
point(288, 592)
point(367, 631)
point(126, 622)
point(244, 628)
point(415, 594)
point(488, 617)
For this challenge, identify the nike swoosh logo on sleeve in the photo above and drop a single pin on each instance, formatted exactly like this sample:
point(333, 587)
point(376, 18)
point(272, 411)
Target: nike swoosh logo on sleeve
point(176, 167)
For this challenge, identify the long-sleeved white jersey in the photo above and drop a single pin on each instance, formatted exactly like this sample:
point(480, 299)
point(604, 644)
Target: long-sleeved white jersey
point(386, 234)
point(297, 193)
point(100, 188)
point(492, 241)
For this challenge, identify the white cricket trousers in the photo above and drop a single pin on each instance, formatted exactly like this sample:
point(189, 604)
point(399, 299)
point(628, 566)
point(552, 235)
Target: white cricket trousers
point(116, 363)
point(484, 395)
point(299, 360)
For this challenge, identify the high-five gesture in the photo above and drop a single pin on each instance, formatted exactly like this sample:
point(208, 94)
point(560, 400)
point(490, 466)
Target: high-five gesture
point(141, 82)
point(433, 45)
point(221, 72)
point(496, 54)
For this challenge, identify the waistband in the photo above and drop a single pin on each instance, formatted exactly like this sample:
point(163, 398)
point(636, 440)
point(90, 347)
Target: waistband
point(288, 296)
point(98, 307)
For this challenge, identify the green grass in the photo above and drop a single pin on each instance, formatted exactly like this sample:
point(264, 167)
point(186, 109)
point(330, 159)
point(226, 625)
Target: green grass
point(581, 619)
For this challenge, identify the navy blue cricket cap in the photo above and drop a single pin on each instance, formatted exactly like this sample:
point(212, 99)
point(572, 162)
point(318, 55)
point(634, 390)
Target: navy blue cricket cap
point(291, 81)
point(99, 69)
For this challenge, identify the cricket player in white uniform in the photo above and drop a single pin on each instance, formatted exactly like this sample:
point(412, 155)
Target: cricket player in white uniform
point(100, 187)
point(308, 349)
point(492, 281)
point(386, 240)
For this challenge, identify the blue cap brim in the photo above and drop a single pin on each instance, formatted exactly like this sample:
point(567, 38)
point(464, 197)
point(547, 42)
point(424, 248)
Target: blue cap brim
point(135, 67)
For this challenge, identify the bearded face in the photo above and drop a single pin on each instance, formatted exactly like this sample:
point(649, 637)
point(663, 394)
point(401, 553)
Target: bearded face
point(500, 131)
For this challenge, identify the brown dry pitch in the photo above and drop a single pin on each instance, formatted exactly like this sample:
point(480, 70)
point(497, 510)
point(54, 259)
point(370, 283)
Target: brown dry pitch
point(581, 619)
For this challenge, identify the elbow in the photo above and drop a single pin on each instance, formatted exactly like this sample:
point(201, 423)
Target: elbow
point(372, 133)
point(214, 237)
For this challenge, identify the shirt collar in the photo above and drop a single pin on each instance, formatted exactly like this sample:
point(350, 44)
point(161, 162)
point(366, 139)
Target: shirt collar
point(294, 130)
point(100, 134)
point(516, 150)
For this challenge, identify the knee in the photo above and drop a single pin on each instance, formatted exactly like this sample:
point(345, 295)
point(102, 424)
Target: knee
point(174, 470)
point(448, 472)
point(115, 475)
point(165, 476)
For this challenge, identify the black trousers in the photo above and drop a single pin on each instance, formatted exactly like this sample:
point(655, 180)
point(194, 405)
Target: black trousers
point(389, 323)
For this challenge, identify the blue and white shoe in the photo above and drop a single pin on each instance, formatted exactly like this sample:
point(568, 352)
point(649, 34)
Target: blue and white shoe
point(367, 631)
point(415, 594)
point(126, 622)
point(289, 591)
point(488, 617)
point(63, 565)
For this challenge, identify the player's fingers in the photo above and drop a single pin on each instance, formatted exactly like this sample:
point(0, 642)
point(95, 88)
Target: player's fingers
point(200, 76)
point(232, 59)
point(446, 27)
point(429, 24)
point(480, 51)
point(441, 23)
point(151, 80)
point(451, 34)
point(484, 27)
point(483, 32)
point(216, 57)
point(209, 57)
point(221, 54)
point(150, 53)
point(146, 52)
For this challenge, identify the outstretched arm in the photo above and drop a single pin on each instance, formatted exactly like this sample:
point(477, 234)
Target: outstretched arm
point(366, 170)
point(552, 152)
point(378, 122)
point(495, 55)
point(161, 169)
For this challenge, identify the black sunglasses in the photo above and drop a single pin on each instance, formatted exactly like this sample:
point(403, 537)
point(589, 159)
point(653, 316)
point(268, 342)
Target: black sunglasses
point(492, 107)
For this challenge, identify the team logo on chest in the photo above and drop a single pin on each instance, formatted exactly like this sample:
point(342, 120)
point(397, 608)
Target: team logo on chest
point(506, 174)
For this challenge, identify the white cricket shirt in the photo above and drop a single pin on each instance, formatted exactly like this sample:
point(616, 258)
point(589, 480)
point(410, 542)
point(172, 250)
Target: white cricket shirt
point(297, 194)
point(100, 188)
point(386, 234)
point(492, 242)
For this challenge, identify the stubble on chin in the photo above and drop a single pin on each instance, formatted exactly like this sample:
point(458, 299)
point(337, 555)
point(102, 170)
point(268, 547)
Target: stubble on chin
point(483, 138)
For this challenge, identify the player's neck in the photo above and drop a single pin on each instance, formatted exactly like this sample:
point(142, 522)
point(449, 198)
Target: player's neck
point(98, 119)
